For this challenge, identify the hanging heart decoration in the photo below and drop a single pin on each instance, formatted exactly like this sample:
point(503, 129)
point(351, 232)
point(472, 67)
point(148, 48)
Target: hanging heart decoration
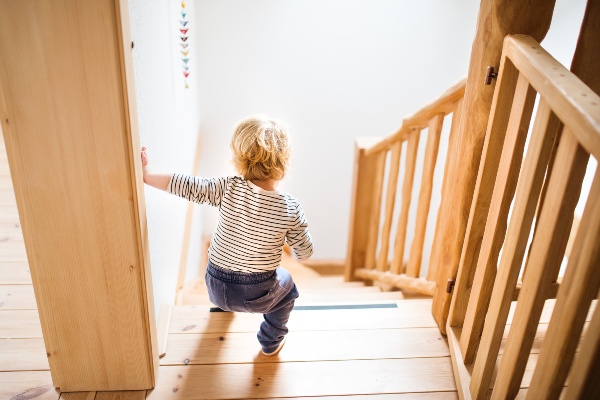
point(183, 29)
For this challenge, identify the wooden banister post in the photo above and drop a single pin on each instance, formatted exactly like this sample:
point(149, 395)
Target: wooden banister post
point(70, 126)
point(363, 187)
point(496, 19)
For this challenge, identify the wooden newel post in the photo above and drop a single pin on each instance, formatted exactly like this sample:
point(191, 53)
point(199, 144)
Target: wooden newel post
point(68, 114)
point(363, 187)
point(496, 19)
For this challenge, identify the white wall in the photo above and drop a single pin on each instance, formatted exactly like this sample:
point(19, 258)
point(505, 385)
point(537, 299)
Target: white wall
point(168, 121)
point(333, 70)
point(330, 69)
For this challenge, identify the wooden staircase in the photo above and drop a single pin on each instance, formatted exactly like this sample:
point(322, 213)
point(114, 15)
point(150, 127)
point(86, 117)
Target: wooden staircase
point(345, 339)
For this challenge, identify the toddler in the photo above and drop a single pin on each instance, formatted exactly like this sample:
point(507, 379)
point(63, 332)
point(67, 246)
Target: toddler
point(255, 220)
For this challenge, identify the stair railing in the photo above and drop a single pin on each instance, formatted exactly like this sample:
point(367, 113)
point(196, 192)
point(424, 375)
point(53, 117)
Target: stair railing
point(542, 187)
point(369, 241)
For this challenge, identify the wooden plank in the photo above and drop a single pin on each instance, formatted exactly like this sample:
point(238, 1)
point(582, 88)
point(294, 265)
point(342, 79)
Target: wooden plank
point(528, 191)
point(401, 281)
point(328, 378)
point(449, 170)
point(495, 227)
point(187, 230)
point(15, 273)
point(23, 355)
point(444, 104)
point(20, 324)
point(496, 19)
point(390, 199)
point(89, 261)
point(121, 395)
point(191, 319)
point(576, 105)
point(578, 289)
point(164, 320)
point(377, 193)
point(583, 381)
point(235, 348)
point(78, 396)
point(17, 297)
point(545, 257)
point(431, 152)
point(409, 173)
point(27, 385)
point(360, 211)
point(490, 160)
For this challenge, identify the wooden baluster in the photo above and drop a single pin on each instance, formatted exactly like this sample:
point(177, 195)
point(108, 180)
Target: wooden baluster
point(409, 174)
point(528, 192)
point(362, 188)
point(496, 131)
point(583, 382)
point(431, 151)
point(382, 261)
point(496, 19)
point(449, 169)
point(495, 227)
point(377, 178)
point(578, 289)
point(544, 261)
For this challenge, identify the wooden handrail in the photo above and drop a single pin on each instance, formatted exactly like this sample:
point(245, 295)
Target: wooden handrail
point(419, 120)
point(565, 133)
point(369, 239)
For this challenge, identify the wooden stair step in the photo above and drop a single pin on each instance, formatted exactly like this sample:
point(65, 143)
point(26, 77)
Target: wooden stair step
point(232, 348)
point(17, 297)
point(395, 396)
point(295, 379)
point(198, 319)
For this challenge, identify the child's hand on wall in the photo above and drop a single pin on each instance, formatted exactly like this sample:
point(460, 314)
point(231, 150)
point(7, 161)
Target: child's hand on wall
point(145, 163)
point(159, 181)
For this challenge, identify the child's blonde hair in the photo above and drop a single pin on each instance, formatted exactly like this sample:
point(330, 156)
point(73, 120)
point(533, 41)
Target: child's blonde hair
point(260, 148)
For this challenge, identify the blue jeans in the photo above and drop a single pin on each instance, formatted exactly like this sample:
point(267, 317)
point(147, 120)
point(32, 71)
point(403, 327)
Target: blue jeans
point(271, 293)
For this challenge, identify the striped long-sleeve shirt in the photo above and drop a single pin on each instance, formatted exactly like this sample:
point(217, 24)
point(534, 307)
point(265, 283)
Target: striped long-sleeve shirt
point(253, 223)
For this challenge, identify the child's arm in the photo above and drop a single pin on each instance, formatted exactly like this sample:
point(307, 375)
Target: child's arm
point(159, 181)
point(299, 237)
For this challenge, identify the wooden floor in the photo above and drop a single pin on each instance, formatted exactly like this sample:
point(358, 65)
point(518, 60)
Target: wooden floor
point(390, 350)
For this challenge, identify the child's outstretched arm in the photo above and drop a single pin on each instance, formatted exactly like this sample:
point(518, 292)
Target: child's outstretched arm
point(159, 181)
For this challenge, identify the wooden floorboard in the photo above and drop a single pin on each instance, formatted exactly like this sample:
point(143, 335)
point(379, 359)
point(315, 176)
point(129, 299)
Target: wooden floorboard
point(298, 379)
point(307, 346)
point(409, 314)
point(14, 273)
point(23, 355)
point(20, 324)
point(17, 297)
point(27, 385)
